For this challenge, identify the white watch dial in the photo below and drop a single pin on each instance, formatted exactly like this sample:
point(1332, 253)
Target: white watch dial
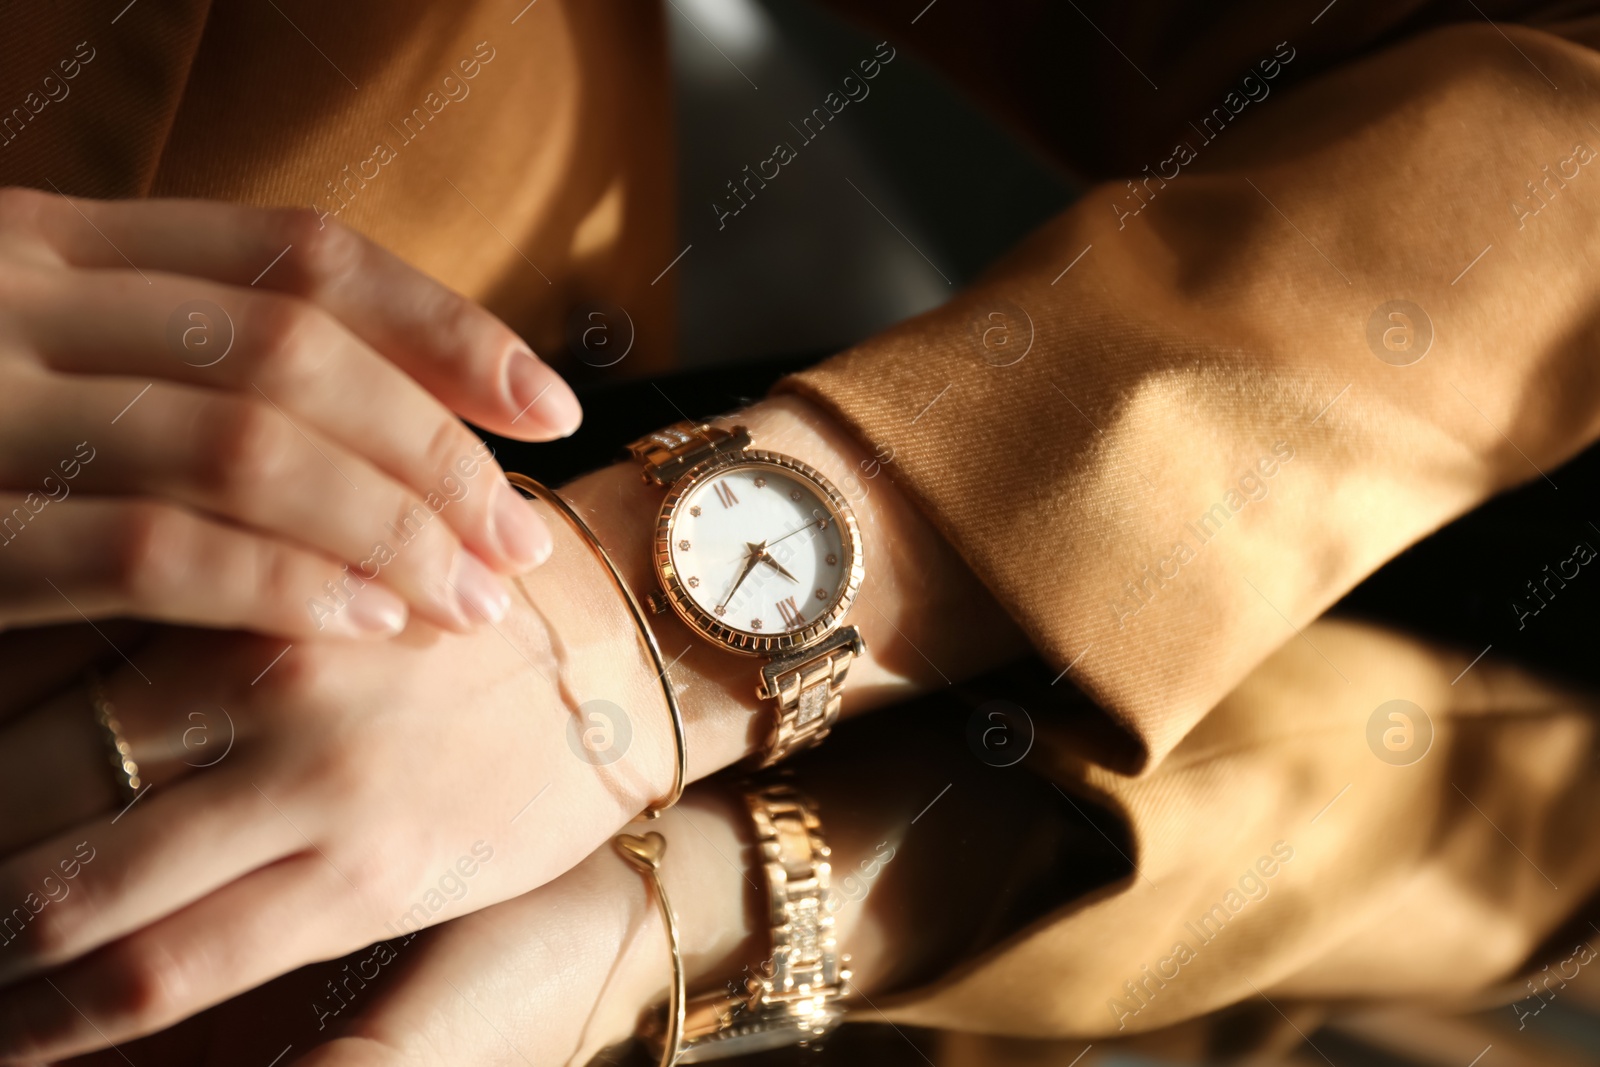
point(759, 548)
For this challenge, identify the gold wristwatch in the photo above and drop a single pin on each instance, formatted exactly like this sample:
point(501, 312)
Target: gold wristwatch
point(760, 554)
point(792, 998)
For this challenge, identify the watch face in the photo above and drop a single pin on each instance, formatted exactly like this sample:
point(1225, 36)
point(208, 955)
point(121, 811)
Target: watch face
point(758, 551)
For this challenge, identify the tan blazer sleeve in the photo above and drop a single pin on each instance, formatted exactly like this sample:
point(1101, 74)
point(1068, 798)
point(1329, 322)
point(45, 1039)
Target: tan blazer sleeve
point(1293, 852)
point(1333, 311)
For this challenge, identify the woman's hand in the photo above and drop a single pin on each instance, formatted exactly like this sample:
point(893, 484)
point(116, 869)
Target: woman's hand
point(306, 805)
point(559, 974)
point(209, 413)
point(549, 978)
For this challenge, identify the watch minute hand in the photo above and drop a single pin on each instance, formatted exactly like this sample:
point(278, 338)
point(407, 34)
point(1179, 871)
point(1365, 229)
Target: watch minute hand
point(750, 562)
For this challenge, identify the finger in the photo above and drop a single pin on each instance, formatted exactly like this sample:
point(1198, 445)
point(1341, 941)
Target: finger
point(56, 768)
point(459, 352)
point(54, 771)
point(128, 869)
point(105, 558)
point(248, 462)
point(254, 929)
point(296, 356)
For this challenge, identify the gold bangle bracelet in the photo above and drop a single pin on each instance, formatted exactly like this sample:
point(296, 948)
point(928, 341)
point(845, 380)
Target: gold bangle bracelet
point(680, 771)
point(644, 855)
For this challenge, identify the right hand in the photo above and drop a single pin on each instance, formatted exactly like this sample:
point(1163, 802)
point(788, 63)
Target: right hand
point(209, 411)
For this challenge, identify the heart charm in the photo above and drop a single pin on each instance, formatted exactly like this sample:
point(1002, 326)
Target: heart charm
point(643, 852)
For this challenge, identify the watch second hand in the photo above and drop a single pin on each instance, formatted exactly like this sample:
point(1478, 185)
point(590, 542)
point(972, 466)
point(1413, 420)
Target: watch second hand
point(766, 545)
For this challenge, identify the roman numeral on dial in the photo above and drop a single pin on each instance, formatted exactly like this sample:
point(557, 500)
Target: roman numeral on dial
point(790, 613)
point(725, 494)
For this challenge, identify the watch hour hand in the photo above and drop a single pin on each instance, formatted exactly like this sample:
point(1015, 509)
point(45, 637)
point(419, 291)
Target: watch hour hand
point(775, 565)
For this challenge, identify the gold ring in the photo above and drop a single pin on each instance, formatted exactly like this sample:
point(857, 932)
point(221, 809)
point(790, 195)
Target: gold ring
point(120, 754)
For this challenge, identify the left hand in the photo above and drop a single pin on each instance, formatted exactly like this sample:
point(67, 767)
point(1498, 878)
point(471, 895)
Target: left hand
point(247, 481)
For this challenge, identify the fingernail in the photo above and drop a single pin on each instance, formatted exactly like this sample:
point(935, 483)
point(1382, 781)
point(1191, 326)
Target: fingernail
point(539, 395)
point(371, 611)
point(521, 535)
point(481, 594)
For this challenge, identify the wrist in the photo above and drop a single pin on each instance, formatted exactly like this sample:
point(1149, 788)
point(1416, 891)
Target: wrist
point(914, 585)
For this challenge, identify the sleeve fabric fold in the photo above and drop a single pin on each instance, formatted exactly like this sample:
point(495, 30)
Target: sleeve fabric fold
point(1188, 414)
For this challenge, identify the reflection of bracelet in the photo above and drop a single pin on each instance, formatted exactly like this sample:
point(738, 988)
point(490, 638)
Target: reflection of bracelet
point(680, 771)
point(791, 998)
point(644, 855)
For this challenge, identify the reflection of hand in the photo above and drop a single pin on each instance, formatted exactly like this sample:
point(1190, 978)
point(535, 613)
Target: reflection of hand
point(559, 973)
point(212, 438)
point(587, 952)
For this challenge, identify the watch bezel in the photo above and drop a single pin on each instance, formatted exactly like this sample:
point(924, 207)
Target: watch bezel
point(706, 624)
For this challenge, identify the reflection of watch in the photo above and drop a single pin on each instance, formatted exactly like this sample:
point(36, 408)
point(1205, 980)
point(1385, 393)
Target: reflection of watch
point(793, 997)
point(758, 553)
